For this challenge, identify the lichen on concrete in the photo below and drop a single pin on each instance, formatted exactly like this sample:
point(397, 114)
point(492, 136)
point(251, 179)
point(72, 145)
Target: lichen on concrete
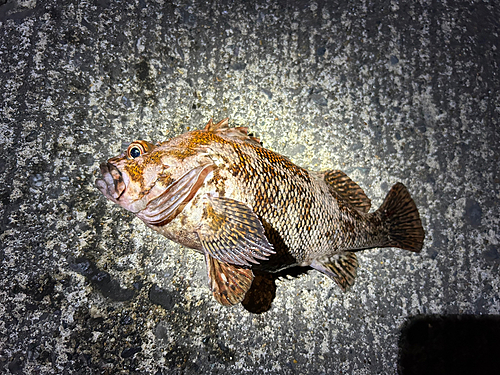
point(386, 91)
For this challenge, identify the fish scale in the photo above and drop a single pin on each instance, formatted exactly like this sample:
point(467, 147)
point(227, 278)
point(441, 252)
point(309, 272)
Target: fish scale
point(290, 190)
point(247, 208)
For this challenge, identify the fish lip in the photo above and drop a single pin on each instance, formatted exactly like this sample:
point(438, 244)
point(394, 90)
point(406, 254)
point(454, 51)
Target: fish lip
point(111, 184)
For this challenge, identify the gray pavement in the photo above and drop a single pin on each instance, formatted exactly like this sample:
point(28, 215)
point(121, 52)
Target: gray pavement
point(386, 91)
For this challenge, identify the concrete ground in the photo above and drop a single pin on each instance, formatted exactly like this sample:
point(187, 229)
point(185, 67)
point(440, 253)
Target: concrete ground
point(387, 91)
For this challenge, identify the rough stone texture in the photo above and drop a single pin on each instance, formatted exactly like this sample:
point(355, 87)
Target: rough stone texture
point(385, 91)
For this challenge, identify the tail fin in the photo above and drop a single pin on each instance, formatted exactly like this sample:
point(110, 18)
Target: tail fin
point(400, 215)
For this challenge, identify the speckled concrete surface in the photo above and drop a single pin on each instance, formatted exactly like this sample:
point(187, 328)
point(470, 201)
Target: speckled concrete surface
point(385, 91)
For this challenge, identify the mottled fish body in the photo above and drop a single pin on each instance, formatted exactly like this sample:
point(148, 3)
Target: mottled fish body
point(218, 191)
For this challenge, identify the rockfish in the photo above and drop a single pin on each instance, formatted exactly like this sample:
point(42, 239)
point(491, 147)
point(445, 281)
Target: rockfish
point(220, 192)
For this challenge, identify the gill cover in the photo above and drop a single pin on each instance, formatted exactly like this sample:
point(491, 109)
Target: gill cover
point(164, 208)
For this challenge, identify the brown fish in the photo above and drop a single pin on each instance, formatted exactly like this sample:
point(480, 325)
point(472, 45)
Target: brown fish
point(218, 191)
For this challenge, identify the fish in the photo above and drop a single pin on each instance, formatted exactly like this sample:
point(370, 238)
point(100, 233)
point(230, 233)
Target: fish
point(248, 209)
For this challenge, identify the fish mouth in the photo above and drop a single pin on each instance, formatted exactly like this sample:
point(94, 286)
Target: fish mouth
point(111, 184)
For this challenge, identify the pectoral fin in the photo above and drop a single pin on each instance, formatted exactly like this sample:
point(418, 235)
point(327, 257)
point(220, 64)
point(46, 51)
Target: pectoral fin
point(232, 233)
point(340, 267)
point(228, 283)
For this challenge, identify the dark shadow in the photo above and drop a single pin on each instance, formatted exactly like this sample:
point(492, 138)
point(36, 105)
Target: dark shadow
point(102, 280)
point(263, 290)
point(261, 294)
point(451, 344)
point(257, 300)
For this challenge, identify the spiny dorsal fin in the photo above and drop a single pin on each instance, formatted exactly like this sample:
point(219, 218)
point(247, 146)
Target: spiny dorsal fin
point(340, 267)
point(211, 127)
point(348, 190)
point(240, 132)
point(228, 283)
point(232, 233)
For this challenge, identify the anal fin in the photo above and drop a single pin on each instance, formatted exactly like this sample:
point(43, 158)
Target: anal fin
point(340, 267)
point(229, 283)
point(348, 190)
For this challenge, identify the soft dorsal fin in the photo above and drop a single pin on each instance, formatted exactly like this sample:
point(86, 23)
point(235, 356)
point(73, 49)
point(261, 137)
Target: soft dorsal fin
point(228, 283)
point(348, 190)
point(232, 233)
point(340, 267)
point(241, 132)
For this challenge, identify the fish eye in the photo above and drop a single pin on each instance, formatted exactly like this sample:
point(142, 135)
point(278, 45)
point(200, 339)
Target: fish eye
point(135, 150)
point(139, 148)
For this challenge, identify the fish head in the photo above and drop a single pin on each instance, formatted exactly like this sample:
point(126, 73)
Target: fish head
point(154, 181)
point(128, 179)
